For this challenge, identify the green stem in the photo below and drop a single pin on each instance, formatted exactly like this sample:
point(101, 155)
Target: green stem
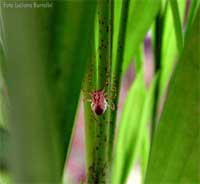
point(116, 77)
point(97, 126)
point(111, 27)
point(104, 70)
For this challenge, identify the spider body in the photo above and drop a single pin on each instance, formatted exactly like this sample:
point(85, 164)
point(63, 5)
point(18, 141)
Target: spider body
point(100, 99)
point(99, 103)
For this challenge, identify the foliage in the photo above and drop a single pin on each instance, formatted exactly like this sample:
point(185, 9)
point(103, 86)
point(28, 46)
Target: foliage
point(74, 48)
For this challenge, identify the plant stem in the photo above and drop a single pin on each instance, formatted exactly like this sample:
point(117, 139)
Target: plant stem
point(104, 70)
point(97, 126)
point(111, 27)
point(104, 44)
point(116, 75)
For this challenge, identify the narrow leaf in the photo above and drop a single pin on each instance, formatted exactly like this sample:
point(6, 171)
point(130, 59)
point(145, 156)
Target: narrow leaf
point(139, 131)
point(72, 27)
point(117, 68)
point(192, 11)
point(4, 136)
point(145, 148)
point(141, 16)
point(169, 46)
point(129, 124)
point(133, 129)
point(177, 24)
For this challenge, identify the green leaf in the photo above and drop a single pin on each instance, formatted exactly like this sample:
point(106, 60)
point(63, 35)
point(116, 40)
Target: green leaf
point(145, 148)
point(3, 90)
point(141, 16)
point(73, 26)
point(139, 57)
point(46, 60)
point(146, 117)
point(4, 136)
point(192, 11)
point(175, 149)
point(127, 134)
point(117, 68)
point(5, 178)
point(169, 47)
point(2, 35)
point(133, 128)
point(177, 24)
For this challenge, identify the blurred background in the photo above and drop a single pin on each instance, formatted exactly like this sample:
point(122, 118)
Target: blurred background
point(44, 89)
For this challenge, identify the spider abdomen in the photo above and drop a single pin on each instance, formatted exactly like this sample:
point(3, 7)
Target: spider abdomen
point(99, 103)
point(98, 110)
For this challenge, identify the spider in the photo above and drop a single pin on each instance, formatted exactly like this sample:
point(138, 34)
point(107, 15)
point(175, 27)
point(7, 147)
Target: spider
point(99, 100)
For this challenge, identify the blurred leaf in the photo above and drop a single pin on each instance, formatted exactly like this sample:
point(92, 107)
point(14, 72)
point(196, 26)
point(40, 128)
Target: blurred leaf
point(133, 128)
point(145, 148)
point(5, 178)
point(146, 117)
point(3, 95)
point(192, 11)
point(2, 35)
point(3, 104)
point(72, 29)
point(51, 45)
point(4, 136)
point(177, 24)
point(32, 125)
point(169, 47)
point(127, 135)
point(141, 132)
point(141, 16)
point(139, 58)
point(175, 150)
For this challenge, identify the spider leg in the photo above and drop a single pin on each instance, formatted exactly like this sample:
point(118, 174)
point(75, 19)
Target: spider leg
point(87, 100)
point(86, 96)
point(111, 105)
point(110, 97)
